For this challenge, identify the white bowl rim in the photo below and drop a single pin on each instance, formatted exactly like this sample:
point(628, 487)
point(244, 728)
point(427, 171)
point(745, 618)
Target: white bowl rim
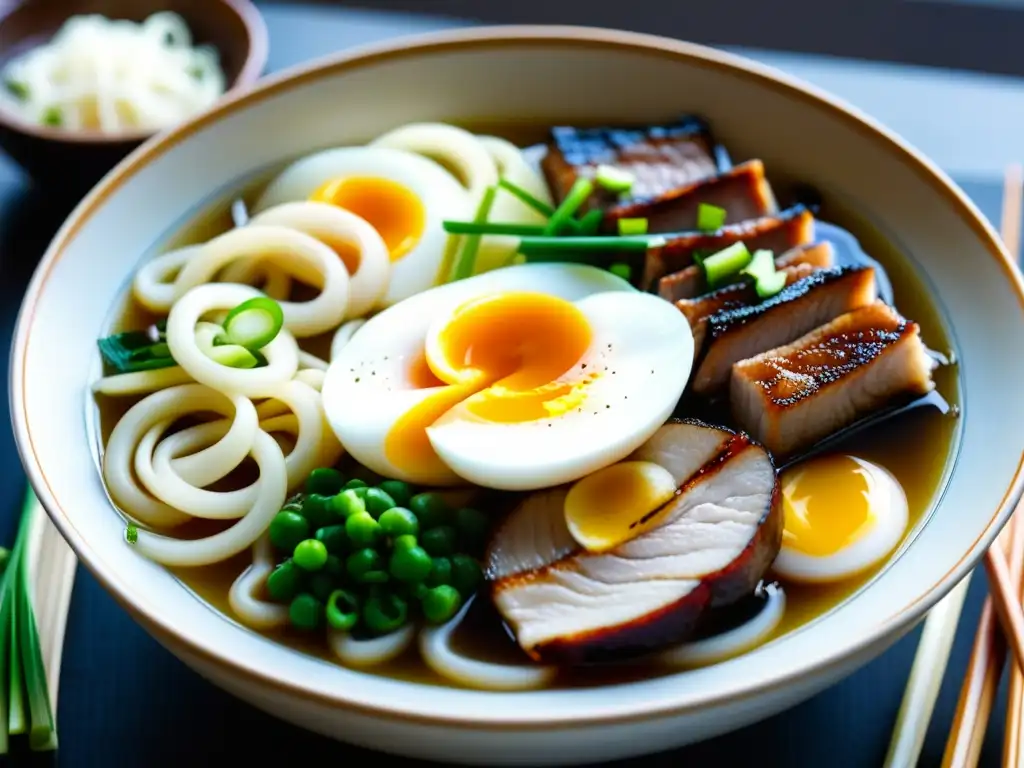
point(466, 39)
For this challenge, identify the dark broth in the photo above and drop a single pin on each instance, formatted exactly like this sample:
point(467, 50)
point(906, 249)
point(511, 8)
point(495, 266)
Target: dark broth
point(921, 473)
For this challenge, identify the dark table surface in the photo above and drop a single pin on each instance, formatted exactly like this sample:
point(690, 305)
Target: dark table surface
point(125, 701)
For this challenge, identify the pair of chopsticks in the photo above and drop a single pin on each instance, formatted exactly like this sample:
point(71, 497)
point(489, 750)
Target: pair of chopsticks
point(1001, 624)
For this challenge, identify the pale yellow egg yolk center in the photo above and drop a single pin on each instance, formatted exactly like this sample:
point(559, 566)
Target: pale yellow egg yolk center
point(826, 505)
point(502, 356)
point(391, 208)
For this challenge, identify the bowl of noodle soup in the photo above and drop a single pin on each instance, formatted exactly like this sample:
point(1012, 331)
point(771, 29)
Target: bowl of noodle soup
point(373, 385)
point(85, 83)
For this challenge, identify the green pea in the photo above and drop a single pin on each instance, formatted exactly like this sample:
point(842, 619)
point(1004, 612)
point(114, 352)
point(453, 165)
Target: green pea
point(335, 566)
point(317, 510)
point(362, 529)
point(398, 521)
point(440, 541)
point(397, 490)
point(410, 565)
point(375, 577)
point(325, 481)
point(473, 526)
point(412, 591)
point(342, 610)
point(440, 572)
point(321, 585)
point(384, 613)
point(440, 604)
point(355, 482)
point(287, 529)
point(377, 501)
point(346, 504)
point(361, 561)
point(404, 542)
point(431, 510)
point(284, 581)
point(466, 575)
point(334, 538)
point(310, 555)
point(305, 612)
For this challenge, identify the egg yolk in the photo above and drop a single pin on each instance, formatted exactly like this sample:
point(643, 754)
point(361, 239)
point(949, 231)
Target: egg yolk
point(618, 503)
point(827, 505)
point(502, 356)
point(391, 208)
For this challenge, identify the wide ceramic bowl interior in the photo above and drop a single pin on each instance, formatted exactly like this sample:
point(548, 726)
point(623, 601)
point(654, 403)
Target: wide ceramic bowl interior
point(542, 76)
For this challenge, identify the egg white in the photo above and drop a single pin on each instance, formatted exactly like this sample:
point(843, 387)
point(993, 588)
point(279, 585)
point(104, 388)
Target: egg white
point(439, 192)
point(889, 502)
point(367, 386)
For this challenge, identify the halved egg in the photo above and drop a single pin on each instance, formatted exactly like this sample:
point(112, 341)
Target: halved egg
point(843, 514)
point(406, 197)
point(520, 378)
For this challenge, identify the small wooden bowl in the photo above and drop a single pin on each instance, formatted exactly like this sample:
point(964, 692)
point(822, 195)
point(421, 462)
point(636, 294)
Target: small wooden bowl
point(78, 159)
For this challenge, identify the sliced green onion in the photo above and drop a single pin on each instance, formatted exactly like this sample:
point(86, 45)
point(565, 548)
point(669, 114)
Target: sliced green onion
point(538, 205)
point(727, 263)
point(53, 116)
point(466, 260)
point(762, 264)
point(131, 533)
point(17, 89)
point(621, 270)
point(233, 356)
point(614, 179)
point(254, 323)
point(489, 228)
point(710, 218)
point(590, 223)
point(632, 227)
point(134, 351)
point(536, 246)
point(563, 213)
point(770, 285)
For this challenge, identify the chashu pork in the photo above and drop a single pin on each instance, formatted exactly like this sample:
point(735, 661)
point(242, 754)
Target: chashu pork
point(742, 191)
point(735, 296)
point(689, 283)
point(864, 360)
point(776, 233)
point(660, 157)
point(735, 334)
point(720, 536)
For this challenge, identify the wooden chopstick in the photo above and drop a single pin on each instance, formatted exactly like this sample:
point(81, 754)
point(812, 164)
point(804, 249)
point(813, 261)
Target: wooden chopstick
point(939, 630)
point(978, 692)
point(1004, 589)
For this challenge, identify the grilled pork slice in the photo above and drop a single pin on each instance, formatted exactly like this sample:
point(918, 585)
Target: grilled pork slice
point(735, 334)
point(776, 233)
point(743, 192)
point(794, 396)
point(689, 283)
point(660, 157)
point(723, 531)
point(730, 297)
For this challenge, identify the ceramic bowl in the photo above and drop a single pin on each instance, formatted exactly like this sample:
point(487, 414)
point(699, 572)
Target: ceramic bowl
point(516, 75)
point(234, 27)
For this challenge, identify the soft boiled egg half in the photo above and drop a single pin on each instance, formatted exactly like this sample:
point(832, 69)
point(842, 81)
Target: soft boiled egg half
point(404, 196)
point(842, 515)
point(520, 378)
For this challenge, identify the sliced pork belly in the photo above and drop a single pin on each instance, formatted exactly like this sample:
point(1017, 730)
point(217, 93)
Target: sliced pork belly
point(776, 233)
point(730, 297)
point(735, 334)
point(862, 361)
point(660, 157)
point(689, 283)
point(721, 534)
point(743, 192)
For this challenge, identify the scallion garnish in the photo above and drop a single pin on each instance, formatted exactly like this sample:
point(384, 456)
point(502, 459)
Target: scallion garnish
point(131, 533)
point(466, 259)
point(621, 270)
point(490, 228)
point(632, 227)
point(590, 223)
point(134, 351)
point(53, 116)
point(770, 285)
point(538, 205)
point(233, 356)
point(540, 246)
point(254, 323)
point(762, 264)
point(727, 263)
point(614, 179)
point(710, 218)
point(563, 214)
point(16, 88)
